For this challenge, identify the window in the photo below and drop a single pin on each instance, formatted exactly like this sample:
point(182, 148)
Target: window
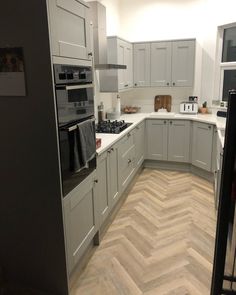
point(228, 60)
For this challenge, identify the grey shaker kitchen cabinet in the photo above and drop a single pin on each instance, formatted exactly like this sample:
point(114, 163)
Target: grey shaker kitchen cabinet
point(168, 140)
point(69, 29)
point(108, 183)
point(179, 141)
point(119, 52)
point(157, 139)
point(139, 143)
point(202, 145)
point(102, 186)
point(112, 173)
point(183, 63)
point(172, 63)
point(161, 63)
point(142, 58)
point(81, 219)
point(126, 162)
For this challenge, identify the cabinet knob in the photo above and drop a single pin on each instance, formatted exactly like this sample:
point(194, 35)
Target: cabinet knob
point(126, 85)
point(209, 127)
point(135, 84)
point(170, 122)
point(164, 122)
point(129, 161)
point(90, 54)
point(112, 150)
point(95, 180)
point(173, 83)
point(109, 151)
point(167, 83)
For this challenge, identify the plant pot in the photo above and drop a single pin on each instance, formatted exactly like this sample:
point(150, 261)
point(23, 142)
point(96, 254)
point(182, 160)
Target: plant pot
point(203, 110)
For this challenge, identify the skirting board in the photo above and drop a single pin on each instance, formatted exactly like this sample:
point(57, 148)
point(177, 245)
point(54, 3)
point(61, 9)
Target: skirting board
point(184, 167)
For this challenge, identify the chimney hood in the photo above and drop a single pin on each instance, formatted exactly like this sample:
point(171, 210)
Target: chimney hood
point(98, 17)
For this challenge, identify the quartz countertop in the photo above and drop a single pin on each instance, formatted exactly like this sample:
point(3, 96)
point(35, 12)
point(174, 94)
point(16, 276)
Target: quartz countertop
point(109, 139)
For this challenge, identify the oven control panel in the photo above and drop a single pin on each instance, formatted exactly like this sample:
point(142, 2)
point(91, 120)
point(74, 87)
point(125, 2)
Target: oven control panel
point(67, 74)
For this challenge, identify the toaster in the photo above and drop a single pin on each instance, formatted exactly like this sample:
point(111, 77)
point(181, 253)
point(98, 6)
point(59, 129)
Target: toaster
point(188, 108)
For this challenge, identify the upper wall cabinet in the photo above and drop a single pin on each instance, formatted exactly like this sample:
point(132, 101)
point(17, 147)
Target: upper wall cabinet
point(172, 63)
point(161, 63)
point(69, 28)
point(164, 64)
point(142, 64)
point(116, 80)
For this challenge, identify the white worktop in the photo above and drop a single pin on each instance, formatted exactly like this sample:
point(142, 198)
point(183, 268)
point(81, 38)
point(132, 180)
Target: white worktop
point(109, 139)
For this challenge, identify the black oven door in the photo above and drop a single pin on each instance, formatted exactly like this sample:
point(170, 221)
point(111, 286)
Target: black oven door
point(74, 102)
point(73, 173)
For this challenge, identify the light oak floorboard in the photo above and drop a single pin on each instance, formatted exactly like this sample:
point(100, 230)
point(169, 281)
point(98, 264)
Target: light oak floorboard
point(160, 243)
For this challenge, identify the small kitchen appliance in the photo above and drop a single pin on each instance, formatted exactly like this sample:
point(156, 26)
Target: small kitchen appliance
point(189, 107)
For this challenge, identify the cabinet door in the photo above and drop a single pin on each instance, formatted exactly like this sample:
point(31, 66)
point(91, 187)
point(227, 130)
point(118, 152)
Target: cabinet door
point(81, 219)
point(121, 54)
point(183, 59)
point(139, 140)
point(69, 28)
point(161, 64)
point(126, 167)
point(129, 63)
point(142, 65)
point(102, 186)
point(179, 141)
point(112, 170)
point(202, 145)
point(157, 131)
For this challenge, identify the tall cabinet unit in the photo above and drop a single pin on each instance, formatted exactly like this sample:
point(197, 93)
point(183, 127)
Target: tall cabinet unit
point(142, 64)
point(116, 80)
point(69, 28)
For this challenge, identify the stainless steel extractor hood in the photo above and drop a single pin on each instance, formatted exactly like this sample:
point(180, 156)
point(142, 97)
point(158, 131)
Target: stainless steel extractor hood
point(98, 17)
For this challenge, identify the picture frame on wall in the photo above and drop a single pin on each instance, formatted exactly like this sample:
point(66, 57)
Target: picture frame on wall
point(12, 72)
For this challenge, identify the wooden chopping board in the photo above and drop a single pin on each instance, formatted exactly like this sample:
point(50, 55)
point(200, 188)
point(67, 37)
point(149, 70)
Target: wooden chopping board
point(162, 101)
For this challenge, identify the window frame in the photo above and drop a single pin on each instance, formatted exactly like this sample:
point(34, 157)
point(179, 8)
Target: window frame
point(221, 66)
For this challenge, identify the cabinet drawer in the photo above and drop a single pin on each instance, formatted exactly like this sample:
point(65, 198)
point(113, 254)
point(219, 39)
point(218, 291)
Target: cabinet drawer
point(126, 143)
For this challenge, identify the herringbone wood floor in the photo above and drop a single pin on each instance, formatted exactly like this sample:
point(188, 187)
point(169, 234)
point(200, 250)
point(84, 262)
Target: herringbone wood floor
point(160, 243)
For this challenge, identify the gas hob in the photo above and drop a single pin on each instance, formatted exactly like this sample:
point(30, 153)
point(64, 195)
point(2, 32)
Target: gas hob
point(112, 126)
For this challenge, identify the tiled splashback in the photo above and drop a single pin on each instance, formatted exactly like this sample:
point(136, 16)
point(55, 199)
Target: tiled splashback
point(144, 97)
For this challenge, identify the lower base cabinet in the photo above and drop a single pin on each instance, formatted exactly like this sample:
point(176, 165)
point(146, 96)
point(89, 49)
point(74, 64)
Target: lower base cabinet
point(126, 164)
point(168, 140)
point(107, 186)
point(139, 144)
point(81, 219)
point(202, 143)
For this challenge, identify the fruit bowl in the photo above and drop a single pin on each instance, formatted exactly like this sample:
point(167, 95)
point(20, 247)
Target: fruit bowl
point(130, 110)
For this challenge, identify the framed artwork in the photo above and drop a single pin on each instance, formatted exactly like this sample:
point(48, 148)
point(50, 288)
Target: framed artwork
point(12, 72)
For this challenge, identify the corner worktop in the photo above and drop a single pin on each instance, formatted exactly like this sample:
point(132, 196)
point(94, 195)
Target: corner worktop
point(109, 139)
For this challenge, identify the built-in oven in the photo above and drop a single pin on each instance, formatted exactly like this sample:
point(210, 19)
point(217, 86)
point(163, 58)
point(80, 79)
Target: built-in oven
point(76, 123)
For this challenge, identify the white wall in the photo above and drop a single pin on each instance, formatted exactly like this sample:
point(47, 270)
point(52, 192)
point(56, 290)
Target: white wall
point(218, 12)
point(145, 20)
point(149, 20)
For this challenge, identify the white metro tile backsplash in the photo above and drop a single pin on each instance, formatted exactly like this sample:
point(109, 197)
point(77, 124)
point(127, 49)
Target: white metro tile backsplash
point(144, 97)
